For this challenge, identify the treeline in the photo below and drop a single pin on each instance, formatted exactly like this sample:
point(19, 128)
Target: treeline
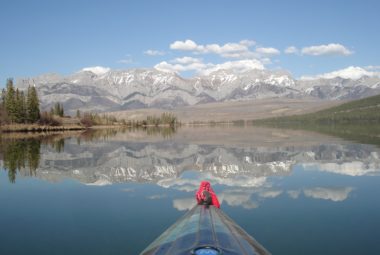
point(89, 119)
point(23, 107)
point(16, 106)
point(22, 155)
point(57, 110)
point(166, 119)
point(93, 119)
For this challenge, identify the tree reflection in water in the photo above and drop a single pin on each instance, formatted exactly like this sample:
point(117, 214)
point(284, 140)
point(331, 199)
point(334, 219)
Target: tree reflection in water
point(21, 154)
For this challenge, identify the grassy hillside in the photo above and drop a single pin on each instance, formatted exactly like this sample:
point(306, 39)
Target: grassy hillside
point(365, 110)
point(356, 120)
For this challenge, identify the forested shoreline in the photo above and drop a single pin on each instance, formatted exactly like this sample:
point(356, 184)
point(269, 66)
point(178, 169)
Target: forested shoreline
point(20, 112)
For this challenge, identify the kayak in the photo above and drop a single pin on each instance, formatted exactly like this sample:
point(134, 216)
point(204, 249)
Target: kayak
point(205, 230)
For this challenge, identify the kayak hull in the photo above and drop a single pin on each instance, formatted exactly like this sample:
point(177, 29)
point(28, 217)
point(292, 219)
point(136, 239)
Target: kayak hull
point(205, 230)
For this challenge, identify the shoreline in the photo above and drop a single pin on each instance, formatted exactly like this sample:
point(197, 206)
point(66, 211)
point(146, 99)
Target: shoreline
point(25, 128)
point(35, 128)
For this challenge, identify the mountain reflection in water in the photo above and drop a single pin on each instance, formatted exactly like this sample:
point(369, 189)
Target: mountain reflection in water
point(73, 188)
point(242, 159)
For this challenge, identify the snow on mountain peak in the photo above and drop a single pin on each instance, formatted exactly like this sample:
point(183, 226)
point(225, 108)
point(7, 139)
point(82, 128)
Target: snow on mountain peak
point(222, 77)
point(282, 80)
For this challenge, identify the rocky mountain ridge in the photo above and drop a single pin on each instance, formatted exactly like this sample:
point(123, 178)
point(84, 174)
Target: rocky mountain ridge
point(150, 88)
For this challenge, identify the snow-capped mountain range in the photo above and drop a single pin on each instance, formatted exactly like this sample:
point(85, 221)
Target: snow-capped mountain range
point(111, 90)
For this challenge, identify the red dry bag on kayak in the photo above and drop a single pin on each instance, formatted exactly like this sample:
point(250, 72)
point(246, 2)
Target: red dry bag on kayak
point(206, 195)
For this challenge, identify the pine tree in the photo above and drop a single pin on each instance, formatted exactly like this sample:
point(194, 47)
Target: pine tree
point(3, 113)
point(61, 111)
point(78, 114)
point(22, 102)
point(10, 104)
point(20, 109)
point(32, 105)
point(3, 95)
point(58, 109)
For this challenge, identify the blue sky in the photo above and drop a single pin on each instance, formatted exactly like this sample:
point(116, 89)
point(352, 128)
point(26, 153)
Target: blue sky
point(190, 37)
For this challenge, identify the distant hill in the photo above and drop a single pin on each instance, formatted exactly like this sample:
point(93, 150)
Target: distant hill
point(366, 110)
point(357, 120)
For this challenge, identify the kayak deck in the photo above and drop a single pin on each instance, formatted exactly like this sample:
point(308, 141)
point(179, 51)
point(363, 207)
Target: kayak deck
point(205, 230)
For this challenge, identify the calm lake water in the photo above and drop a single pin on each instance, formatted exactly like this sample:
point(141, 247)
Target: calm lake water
point(114, 192)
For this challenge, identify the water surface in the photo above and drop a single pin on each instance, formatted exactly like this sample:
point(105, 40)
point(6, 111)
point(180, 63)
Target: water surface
point(114, 192)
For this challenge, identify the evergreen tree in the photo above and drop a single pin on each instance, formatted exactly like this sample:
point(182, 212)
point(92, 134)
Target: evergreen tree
point(17, 107)
point(61, 111)
point(32, 105)
point(3, 95)
point(10, 104)
point(3, 113)
point(20, 109)
point(22, 101)
point(78, 114)
point(58, 109)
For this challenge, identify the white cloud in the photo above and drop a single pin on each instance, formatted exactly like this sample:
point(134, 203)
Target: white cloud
point(270, 193)
point(98, 70)
point(333, 194)
point(184, 204)
point(100, 182)
point(175, 183)
point(186, 188)
point(239, 66)
point(154, 53)
point(268, 61)
point(187, 45)
point(228, 50)
point(248, 59)
point(169, 67)
point(247, 43)
point(351, 72)
point(187, 60)
point(193, 64)
point(237, 181)
point(268, 51)
point(181, 65)
point(291, 50)
point(326, 49)
point(157, 196)
point(238, 198)
point(354, 168)
point(127, 60)
point(373, 68)
point(294, 193)
point(128, 190)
